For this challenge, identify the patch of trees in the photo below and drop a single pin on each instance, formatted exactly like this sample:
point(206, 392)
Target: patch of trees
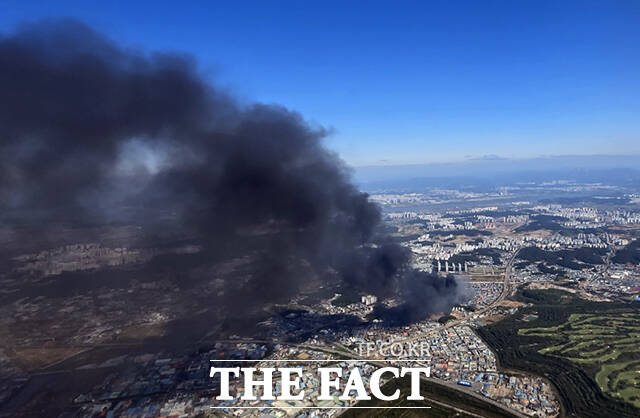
point(542, 222)
point(629, 254)
point(588, 255)
point(550, 223)
point(564, 258)
point(445, 318)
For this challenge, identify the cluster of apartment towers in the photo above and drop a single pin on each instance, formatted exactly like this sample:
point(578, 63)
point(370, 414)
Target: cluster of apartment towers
point(453, 267)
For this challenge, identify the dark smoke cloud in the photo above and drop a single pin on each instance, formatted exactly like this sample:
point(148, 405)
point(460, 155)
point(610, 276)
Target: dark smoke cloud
point(88, 128)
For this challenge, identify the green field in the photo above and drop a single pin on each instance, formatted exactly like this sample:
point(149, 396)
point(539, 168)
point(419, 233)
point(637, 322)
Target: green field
point(600, 340)
point(590, 351)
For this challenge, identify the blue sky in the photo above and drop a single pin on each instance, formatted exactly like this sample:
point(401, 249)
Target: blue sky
point(407, 82)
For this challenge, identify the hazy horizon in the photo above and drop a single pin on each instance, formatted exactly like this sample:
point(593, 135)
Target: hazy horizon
point(494, 165)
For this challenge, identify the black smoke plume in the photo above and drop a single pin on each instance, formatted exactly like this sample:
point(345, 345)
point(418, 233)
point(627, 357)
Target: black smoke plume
point(91, 130)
